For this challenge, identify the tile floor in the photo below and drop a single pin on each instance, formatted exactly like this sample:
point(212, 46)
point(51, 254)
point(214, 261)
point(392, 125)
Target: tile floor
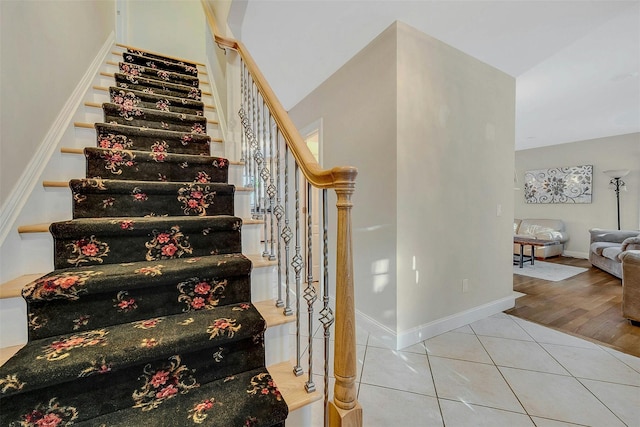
point(499, 371)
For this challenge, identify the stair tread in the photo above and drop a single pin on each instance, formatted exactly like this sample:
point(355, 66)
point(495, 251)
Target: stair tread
point(249, 398)
point(193, 330)
point(161, 64)
point(43, 227)
point(106, 278)
point(141, 226)
point(292, 387)
point(189, 91)
point(273, 315)
point(154, 73)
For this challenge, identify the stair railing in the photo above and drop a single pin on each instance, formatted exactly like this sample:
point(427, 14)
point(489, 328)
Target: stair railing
point(267, 131)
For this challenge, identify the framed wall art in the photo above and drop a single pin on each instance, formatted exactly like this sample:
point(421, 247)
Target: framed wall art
point(570, 184)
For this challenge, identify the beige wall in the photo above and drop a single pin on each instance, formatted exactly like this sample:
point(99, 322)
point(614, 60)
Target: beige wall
point(46, 48)
point(456, 128)
point(358, 108)
point(616, 152)
point(431, 131)
point(172, 27)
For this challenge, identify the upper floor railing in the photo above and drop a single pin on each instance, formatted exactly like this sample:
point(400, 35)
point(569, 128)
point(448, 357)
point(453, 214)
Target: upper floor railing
point(270, 142)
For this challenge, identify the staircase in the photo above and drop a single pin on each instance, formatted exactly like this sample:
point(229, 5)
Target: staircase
point(149, 316)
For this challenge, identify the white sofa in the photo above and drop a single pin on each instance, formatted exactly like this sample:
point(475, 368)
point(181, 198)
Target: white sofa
point(543, 229)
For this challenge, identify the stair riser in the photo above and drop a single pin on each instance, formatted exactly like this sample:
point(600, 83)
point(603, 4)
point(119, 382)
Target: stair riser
point(155, 119)
point(129, 305)
point(120, 137)
point(95, 395)
point(251, 239)
point(181, 203)
point(159, 64)
point(155, 102)
point(155, 166)
point(13, 321)
point(93, 247)
point(160, 75)
point(160, 88)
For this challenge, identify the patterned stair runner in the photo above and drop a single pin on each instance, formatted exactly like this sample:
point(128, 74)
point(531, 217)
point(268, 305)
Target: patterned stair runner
point(147, 318)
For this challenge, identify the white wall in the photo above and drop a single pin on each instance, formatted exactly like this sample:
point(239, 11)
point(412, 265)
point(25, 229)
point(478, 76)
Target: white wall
point(456, 127)
point(46, 47)
point(615, 152)
point(358, 108)
point(431, 131)
point(171, 27)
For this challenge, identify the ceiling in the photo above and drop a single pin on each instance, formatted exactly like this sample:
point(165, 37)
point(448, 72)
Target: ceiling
point(576, 63)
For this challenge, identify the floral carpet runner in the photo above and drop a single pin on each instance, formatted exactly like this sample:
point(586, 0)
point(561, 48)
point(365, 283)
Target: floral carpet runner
point(147, 318)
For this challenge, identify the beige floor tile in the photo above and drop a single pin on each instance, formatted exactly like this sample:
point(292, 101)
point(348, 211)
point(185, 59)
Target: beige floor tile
point(397, 370)
point(559, 398)
point(546, 335)
point(474, 383)
point(622, 400)
point(544, 422)
point(466, 329)
point(594, 364)
point(502, 327)
point(389, 408)
point(460, 414)
point(632, 361)
point(521, 354)
point(455, 345)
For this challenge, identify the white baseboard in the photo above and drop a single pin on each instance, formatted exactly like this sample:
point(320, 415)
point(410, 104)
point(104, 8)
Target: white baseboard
point(575, 254)
point(428, 330)
point(29, 178)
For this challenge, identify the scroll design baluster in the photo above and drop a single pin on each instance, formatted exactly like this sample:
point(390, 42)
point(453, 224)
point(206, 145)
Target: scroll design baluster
point(310, 292)
point(279, 212)
point(297, 263)
point(271, 190)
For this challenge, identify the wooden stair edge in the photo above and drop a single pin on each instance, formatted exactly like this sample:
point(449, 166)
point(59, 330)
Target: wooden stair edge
point(272, 314)
point(13, 287)
point(7, 353)
point(259, 261)
point(292, 387)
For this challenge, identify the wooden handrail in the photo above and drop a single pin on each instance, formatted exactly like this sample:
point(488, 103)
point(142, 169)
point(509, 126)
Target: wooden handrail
point(338, 177)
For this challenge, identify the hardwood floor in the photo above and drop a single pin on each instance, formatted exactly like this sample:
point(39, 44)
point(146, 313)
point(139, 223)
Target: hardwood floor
point(586, 305)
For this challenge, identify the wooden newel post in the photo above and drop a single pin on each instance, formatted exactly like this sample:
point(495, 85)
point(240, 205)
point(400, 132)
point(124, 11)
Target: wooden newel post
point(344, 410)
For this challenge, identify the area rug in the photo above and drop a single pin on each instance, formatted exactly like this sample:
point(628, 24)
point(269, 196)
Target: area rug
point(548, 271)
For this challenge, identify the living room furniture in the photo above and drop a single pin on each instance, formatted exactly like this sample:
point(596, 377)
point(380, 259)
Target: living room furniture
point(631, 285)
point(607, 245)
point(525, 242)
point(540, 229)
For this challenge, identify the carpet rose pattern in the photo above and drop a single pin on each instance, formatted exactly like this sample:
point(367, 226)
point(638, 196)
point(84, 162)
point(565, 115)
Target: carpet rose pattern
point(163, 383)
point(51, 414)
point(168, 244)
point(87, 250)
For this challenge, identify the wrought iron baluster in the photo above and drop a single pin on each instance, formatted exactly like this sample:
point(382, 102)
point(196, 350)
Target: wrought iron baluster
point(310, 292)
point(286, 234)
point(297, 265)
point(271, 189)
point(254, 127)
point(264, 174)
point(279, 212)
